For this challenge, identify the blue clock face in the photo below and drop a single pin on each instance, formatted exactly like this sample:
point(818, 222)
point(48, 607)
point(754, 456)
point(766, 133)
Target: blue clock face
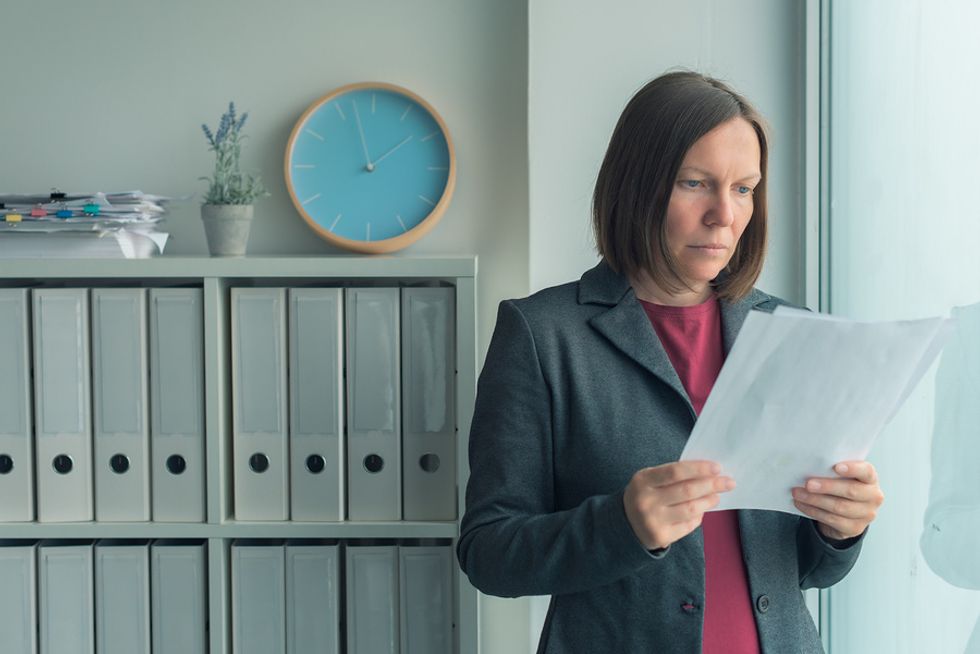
point(367, 165)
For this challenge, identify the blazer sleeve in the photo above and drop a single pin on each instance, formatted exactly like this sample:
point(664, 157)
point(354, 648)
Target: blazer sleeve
point(822, 563)
point(512, 541)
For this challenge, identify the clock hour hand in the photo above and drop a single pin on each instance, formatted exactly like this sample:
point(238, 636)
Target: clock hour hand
point(360, 130)
point(403, 142)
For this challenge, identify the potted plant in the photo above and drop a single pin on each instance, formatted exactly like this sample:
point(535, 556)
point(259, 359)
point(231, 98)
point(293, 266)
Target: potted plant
point(227, 210)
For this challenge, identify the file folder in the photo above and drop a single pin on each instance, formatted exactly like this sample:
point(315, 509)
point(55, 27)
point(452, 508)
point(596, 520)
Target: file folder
point(18, 597)
point(65, 597)
point(316, 416)
point(16, 427)
point(258, 598)
point(119, 404)
point(258, 365)
point(62, 410)
point(312, 599)
point(178, 597)
point(374, 405)
point(122, 598)
point(429, 418)
point(177, 404)
point(426, 591)
point(372, 599)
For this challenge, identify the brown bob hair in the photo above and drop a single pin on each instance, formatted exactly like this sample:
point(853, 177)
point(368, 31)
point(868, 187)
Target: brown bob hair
point(656, 129)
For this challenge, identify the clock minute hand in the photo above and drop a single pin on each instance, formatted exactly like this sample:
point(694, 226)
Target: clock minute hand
point(403, 142)
point(360, 130)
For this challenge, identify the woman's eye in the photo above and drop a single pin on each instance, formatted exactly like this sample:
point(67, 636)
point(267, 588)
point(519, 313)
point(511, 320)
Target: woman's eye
point(744, 190)
point(691, 183)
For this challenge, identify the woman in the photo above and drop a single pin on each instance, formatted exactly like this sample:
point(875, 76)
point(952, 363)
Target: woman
point(591, 389)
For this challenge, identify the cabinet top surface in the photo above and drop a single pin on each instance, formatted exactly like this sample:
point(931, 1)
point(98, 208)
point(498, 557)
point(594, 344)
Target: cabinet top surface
point(250, 266)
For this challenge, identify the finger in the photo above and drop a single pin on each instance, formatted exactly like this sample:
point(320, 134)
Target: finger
point(672, 473)
point(686, 512)
point(861, 470)
point(693, 489)
point(847, 488)
point(832, 504)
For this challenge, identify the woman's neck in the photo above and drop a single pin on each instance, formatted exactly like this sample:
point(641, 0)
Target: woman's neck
point(649, 291)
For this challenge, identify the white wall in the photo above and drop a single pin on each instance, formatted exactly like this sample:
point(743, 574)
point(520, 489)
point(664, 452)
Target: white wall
point(586, 59)
point(110, 95)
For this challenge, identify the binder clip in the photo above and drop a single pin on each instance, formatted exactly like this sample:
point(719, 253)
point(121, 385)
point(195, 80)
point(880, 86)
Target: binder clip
point(13, 217)
point(63, 212)
point(38, 211)
point(91, 209)
point(57, 195)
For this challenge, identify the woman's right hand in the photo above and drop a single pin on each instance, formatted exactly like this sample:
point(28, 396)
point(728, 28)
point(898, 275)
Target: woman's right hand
point(667, 502)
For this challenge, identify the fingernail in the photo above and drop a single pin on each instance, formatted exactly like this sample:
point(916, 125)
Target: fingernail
point(715, 468)
point(842, 468)
point(730, 484)
point(813, 485)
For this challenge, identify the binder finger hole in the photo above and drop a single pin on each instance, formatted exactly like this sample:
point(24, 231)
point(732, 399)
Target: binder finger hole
point(258, 462)
point(315, 463)
point(62, 464)
point(176, 464)
point(373, 463)
point(429, 462)
point(6, 464)
point(119, 463)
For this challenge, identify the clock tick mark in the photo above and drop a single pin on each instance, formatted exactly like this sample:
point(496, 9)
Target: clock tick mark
point(304, 165)
point(429, 136)
point(427, 200)
point(340, 111)
point(368, 238)
point(401, 222)
point(314, 134)
point(437, 168)
point(407, 109)
point(374, 97)
point(335, 221)
point(306, 202)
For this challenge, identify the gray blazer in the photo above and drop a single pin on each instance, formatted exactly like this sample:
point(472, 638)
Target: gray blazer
point(576, 395)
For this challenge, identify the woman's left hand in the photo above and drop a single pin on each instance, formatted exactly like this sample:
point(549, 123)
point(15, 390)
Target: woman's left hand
point(844, 506)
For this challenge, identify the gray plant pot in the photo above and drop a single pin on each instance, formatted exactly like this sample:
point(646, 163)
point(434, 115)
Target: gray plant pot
point(226, 226)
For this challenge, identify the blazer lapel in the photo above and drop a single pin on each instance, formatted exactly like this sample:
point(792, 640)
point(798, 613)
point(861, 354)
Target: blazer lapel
point(626, 325)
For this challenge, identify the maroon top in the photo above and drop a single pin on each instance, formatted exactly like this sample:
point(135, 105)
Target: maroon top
point(692, 338)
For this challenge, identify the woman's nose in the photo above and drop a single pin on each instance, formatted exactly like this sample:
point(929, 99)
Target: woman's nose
point(722, 211)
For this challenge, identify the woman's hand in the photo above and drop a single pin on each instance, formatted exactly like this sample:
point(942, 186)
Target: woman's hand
point(843, 507)
point(665, 503)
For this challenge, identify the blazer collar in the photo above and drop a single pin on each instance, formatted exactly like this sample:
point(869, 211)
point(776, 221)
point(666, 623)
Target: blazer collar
point(627, 327)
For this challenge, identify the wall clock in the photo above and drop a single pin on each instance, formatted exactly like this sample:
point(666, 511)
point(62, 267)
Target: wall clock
point(370, 167)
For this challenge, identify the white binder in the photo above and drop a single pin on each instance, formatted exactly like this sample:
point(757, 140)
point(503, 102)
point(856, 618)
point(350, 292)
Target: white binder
point(258, 598)
point(258, 366)
point(428, 416)
point(426, 591)
point(372, 599)
point(177, 404)
point(119, 405)
point(312, 599)
point(65, 597)
point(122, 598)
point(178, 597)
point(18, 596)
point(16, 428)
point(316, 405)
point(374, 405)
point(62, 410)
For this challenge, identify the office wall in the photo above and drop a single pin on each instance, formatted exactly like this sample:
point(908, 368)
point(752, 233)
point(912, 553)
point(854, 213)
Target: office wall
point(585, 61)
point(110, 95)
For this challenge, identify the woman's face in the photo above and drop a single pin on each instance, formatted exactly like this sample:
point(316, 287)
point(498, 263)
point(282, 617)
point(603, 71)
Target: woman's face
point(711, 201)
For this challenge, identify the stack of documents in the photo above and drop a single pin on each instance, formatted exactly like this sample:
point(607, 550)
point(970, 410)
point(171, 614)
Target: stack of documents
point(100, 225)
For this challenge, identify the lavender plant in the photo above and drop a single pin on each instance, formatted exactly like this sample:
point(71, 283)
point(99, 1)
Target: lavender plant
point(229, 185)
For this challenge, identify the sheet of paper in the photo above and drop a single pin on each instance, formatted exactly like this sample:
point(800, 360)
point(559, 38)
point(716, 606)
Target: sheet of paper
point(800, 392)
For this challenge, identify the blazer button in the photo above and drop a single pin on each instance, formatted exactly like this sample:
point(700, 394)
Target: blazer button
point(689, 606)
point(762, 603)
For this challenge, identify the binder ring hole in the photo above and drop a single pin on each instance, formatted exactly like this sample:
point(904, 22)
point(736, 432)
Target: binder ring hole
point(373, 463)
point(315, 463)
point(62, 464)
point(258, 462)
point(176, 464)
point(119, 463)
point(6, 464)
point(429, 462)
